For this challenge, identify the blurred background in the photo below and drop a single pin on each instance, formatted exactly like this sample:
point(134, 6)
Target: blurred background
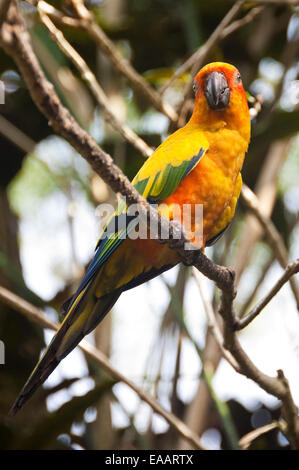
point(49, 225)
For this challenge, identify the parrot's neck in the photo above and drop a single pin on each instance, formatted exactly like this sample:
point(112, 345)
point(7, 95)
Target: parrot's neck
point(235, 117)
point(228, 139)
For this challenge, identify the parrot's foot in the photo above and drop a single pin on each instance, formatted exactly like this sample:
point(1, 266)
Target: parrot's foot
point(176, 235)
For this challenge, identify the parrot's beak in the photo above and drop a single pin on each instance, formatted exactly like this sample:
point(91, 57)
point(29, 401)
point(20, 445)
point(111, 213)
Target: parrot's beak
point(217, 91)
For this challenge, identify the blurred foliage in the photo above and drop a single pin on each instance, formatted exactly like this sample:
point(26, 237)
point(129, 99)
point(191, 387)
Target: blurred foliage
point(157, 36)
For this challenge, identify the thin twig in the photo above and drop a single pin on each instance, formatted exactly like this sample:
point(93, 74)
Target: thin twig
point(241, 22)
point(258, 283)
point(290, 412)
point(37, 316)
point(56, 14)
point(212, 322)
point(123, 66)
point(4, 4)
point(198, 56)
point(94, 86)
point(16, 136)
point(278, 2)
point(274, 238)
point(86, 21)
point(27, 145)
point(248, 438)
point(291, 269)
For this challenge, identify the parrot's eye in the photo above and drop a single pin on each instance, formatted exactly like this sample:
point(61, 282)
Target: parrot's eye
point(195, 87)
point(238, 78)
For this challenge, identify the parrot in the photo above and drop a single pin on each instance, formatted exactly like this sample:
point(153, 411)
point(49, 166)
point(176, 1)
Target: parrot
point(200, 163)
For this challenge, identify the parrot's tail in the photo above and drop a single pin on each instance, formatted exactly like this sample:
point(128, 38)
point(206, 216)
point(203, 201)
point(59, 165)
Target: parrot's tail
point(84, 315)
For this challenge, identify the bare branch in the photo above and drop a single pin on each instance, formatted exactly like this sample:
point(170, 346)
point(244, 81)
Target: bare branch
point(290, 412)
point(258, 284)
point(15, 40)
point(86, 21)
point(248, 439)
point(213, 324)
point(94, 86)
point(139, 84)
point(291, 269)
point(4, 4)
point(56, 14)
point(273, 236)
point(198, 57)
point(278, 2)
point(266, 189)
point(241, 22)
point(37, 316)
point(15, 135)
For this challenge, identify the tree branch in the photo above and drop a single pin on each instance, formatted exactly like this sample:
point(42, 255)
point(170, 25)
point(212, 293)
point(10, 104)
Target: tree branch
point(274, 238)
point(139, 84)
point(97, 91)
point(213, 324)
point(198, 57)
point(258, 284)
point(4, 4)
point(248, 438)
point(291, 269)
point(15, 135)
point(56, 14)
point(231, 28)
point(278, 2)
point(37, 316)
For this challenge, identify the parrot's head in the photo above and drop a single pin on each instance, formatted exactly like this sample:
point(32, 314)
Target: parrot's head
point(219, 96)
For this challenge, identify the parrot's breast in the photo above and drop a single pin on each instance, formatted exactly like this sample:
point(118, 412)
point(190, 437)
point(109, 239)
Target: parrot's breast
point(215, 183)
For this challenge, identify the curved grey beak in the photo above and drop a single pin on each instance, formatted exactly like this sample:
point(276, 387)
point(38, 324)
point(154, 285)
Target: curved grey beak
point(217, 91)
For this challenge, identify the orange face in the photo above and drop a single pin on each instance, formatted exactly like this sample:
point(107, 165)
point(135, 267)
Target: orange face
point(219, 95)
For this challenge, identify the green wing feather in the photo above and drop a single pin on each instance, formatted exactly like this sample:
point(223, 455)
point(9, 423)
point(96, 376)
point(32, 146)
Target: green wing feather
point(170, 163)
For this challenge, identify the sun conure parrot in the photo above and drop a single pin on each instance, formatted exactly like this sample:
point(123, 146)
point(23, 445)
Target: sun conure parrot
point(198, 164)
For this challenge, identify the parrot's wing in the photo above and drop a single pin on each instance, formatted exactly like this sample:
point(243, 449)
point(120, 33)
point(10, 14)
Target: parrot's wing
point(170, 163)
point(156, 180)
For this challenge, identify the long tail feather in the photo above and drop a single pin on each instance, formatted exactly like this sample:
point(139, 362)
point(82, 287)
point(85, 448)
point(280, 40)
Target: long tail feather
point(84, 315)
